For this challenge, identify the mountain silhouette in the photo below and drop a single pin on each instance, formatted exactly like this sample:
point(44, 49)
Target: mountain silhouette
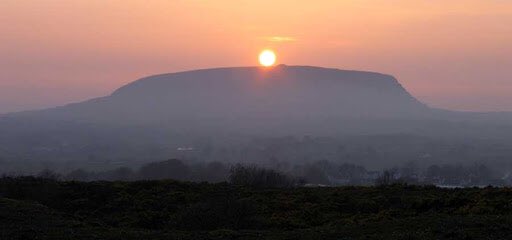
point(255, 100)
point(244, 93)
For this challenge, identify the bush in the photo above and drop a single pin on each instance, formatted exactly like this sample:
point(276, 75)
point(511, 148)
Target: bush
point(217, 213)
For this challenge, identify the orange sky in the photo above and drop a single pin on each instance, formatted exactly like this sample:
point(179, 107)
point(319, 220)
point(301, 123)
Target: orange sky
point(451, 54)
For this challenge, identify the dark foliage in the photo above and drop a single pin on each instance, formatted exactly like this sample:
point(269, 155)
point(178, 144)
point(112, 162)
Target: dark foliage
point(258, 177)
point(40, 208)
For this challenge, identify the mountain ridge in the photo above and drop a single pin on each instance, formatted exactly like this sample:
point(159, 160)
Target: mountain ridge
point(255, 91)
point(256, 97)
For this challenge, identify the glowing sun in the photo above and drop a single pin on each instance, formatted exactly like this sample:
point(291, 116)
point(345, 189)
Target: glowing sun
point(267, 58)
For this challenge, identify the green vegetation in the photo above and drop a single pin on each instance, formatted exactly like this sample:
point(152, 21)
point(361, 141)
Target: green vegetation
point(37, 208)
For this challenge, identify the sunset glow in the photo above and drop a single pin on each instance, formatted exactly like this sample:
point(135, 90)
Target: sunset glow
point(56, 52)
point(267, 58)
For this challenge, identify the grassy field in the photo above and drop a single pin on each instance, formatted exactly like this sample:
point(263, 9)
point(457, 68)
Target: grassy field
point(33, 208)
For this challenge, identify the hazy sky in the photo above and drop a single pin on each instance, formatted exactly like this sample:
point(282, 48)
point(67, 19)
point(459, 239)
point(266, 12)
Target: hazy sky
point(451, 54)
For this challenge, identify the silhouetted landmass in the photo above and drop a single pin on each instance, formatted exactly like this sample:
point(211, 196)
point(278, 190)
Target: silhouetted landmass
point(245, 97)
point(37, 208)
point(290, 99)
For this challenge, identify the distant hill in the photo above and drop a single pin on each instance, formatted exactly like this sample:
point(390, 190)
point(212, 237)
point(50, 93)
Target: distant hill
point(243, 92)
point(246, 97)
point(278, 100)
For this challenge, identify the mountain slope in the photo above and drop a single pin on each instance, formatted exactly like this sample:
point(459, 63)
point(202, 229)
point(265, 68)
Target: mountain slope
point(227, 95)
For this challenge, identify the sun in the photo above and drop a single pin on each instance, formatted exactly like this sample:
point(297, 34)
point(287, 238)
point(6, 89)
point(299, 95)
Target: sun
point(267, 58)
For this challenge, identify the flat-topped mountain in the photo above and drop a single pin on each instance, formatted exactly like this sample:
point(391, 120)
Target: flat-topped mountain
point(227, 95)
